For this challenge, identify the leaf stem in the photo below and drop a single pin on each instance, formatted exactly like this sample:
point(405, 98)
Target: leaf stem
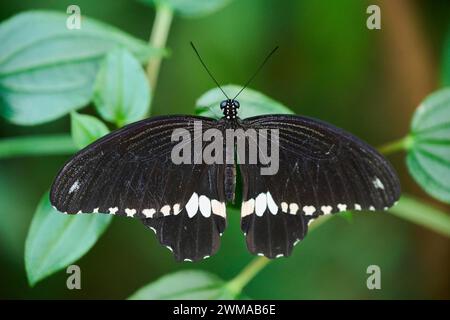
point(396, 145)
point(418, 212)
point(51, 144)
point(158, 39)
point(248, 273)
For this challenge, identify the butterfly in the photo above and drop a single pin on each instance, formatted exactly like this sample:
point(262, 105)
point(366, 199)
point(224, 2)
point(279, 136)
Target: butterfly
point(321, 170)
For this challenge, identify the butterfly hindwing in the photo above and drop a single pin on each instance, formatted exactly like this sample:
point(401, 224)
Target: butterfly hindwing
point(322, 170)
point(130, 173)
point(194, 232)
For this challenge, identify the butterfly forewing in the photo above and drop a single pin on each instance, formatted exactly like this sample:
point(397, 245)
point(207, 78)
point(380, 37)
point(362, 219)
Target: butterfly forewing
point(322, 170)
point(130, 173)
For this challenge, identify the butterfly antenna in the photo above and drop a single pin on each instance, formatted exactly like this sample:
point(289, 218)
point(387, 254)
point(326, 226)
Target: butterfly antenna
point(207, 70)
point(256, 72)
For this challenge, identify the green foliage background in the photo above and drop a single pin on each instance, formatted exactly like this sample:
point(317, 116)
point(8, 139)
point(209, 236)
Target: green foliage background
point(329, 66)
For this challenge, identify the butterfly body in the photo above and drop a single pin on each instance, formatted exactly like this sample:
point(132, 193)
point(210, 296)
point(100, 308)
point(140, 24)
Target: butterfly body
point(232, 121)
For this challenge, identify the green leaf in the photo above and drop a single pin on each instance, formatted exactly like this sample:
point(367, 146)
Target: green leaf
point(55, 240)
point(185, 285)
point(122, 91)
point(86, 129)
point(47, 70)
point(428, 147)
point(191, 8)
point(252, 103)
point(423, 214)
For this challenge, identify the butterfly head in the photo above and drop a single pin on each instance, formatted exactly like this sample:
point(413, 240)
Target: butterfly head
point(229, 108)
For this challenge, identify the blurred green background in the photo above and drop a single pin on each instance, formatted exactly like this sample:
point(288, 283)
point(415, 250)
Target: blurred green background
point(329, 66)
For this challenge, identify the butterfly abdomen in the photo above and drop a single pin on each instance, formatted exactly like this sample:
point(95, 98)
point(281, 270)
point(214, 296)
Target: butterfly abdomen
point(230, 182)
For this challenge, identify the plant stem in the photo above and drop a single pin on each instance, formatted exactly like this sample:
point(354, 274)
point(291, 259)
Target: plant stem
point(396, 145)
point(251, 270)
point(423, 214)
point(158, 39)
point(248, 273)
point(37, 145)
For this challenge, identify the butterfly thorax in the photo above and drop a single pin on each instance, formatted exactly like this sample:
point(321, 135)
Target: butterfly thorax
point(229, 108)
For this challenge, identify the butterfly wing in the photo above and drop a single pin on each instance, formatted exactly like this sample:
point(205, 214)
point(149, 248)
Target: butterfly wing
point(322, 170)
point(130, 172)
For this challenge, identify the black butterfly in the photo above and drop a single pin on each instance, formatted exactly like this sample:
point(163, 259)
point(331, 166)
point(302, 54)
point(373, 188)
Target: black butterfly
point(130, 172)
